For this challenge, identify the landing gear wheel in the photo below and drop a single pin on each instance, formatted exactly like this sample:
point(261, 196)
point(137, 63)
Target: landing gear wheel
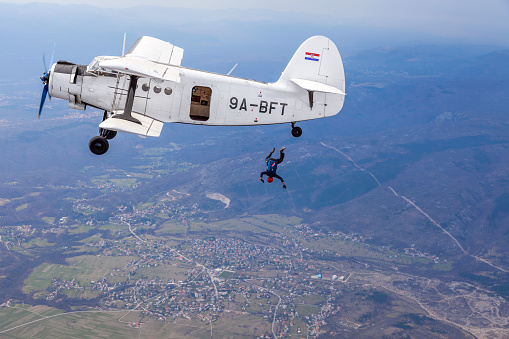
point(98, 145)
point(296, 131)
point(107, 133)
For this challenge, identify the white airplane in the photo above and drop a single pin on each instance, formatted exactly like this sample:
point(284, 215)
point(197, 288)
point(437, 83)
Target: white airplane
point(147, 87)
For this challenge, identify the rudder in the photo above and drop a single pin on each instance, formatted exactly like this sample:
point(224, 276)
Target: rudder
point(317, 66)
point(317, 60)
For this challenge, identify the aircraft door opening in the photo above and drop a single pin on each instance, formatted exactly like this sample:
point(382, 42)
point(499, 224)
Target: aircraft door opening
point(200, 103)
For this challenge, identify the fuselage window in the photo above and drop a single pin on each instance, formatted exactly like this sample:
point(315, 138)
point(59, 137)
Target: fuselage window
point(200, 103)
point(157, 89)
point(167, 91)
point(145, 87)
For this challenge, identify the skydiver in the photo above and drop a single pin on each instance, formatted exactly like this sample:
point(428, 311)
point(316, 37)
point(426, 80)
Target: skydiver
point(272, 167)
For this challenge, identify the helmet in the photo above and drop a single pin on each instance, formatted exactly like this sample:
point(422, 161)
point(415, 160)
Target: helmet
point(269, 180)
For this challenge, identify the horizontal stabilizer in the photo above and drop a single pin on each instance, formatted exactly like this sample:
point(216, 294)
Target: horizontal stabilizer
point(314, 86)
point(149, 127)
point(142, 68)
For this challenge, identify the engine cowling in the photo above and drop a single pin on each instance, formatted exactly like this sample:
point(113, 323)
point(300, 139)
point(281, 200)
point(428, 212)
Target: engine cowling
point(66, 82)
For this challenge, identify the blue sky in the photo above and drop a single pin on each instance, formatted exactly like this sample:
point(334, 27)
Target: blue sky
point(483, 21)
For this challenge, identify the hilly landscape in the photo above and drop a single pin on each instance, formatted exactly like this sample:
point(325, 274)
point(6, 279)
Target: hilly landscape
point(395, 220)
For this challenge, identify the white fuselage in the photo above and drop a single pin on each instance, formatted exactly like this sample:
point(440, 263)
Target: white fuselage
point(199, 98)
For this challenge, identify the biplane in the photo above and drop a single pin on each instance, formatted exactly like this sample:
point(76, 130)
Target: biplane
point(147, 87)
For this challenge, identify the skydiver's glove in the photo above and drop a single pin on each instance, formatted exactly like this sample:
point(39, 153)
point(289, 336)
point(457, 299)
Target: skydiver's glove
point(262, 180)
point(273, 149)
point(284, 186)
point(282, 150)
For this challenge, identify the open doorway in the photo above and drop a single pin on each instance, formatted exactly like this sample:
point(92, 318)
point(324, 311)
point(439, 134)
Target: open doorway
point(200, 103)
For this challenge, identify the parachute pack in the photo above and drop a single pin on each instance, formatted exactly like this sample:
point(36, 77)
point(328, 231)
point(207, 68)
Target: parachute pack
point(271, 166)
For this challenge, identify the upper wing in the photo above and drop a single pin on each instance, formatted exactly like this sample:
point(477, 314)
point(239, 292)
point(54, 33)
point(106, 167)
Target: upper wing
point(148, 57)
point(156, 50)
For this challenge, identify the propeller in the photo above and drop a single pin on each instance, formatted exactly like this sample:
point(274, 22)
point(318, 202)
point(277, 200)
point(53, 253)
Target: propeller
point(45, 80)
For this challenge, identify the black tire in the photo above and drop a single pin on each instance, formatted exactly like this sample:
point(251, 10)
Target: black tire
point(296, 131)
point(107, 133)
point(98, 145)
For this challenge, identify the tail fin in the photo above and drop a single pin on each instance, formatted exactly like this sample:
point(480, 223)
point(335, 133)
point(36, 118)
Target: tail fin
point(317, 66)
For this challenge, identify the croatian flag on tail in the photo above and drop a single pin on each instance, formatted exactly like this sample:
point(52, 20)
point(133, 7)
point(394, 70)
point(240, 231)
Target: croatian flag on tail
point(312, 56)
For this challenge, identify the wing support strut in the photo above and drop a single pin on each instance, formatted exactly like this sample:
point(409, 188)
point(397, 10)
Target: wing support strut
point(126, 115)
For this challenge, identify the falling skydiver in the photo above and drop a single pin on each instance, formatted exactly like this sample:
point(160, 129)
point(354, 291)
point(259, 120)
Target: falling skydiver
point(272, 167)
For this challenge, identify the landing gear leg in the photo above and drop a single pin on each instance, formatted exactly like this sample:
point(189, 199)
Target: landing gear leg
point(106, 132)
point(296, 131)
point(99, 145)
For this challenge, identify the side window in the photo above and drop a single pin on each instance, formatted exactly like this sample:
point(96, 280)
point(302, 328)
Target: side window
point(200, 103)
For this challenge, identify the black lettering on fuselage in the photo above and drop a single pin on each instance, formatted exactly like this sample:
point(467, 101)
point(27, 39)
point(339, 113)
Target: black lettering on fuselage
point(263, 106)
point(272, 106)
point(243, 105)
point(283, 110)
point(234, 102)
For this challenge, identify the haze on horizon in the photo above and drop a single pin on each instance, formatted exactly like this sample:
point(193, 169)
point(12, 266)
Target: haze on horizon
point(466, 20)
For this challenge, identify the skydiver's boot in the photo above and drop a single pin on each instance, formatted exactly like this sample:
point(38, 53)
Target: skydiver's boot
point(281, 155)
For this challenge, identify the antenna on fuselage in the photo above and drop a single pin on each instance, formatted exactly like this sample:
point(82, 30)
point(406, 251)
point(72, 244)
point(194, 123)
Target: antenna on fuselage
point(231, 70)
point(123, 46)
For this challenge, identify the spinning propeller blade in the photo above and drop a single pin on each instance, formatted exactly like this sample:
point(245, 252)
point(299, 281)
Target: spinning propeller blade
point(45, 79)
point(52, 54)
point(43, 98)
point(44, 63)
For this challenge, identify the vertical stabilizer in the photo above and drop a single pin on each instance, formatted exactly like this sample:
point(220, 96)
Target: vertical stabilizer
point(317, 68)
point(317, 60)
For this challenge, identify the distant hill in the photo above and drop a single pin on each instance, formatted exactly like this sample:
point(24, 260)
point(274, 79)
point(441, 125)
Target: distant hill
point(427, 121)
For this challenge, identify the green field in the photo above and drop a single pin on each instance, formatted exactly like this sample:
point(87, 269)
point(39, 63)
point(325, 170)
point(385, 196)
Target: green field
point(142, 175)
point(52, 323)
point(122, 183)
point(154, 152)
point(37, 242)
point(447, 266)
point(113, 227)
point(226, 275)
point(172, 227)
point(145, 205)
point(91, 324)
point(257, 224)
point(21, 207)
point(84, 269)
point(93, 239)
point(49, 220)
point(77, 229)
point(41, 277)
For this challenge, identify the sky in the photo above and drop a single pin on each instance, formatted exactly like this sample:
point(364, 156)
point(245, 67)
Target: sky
point(480, 20)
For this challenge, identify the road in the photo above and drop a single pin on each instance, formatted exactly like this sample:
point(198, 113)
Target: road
point(421, 211)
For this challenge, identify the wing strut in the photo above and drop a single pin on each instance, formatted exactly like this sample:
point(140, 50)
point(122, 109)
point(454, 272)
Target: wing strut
point(126, 115)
